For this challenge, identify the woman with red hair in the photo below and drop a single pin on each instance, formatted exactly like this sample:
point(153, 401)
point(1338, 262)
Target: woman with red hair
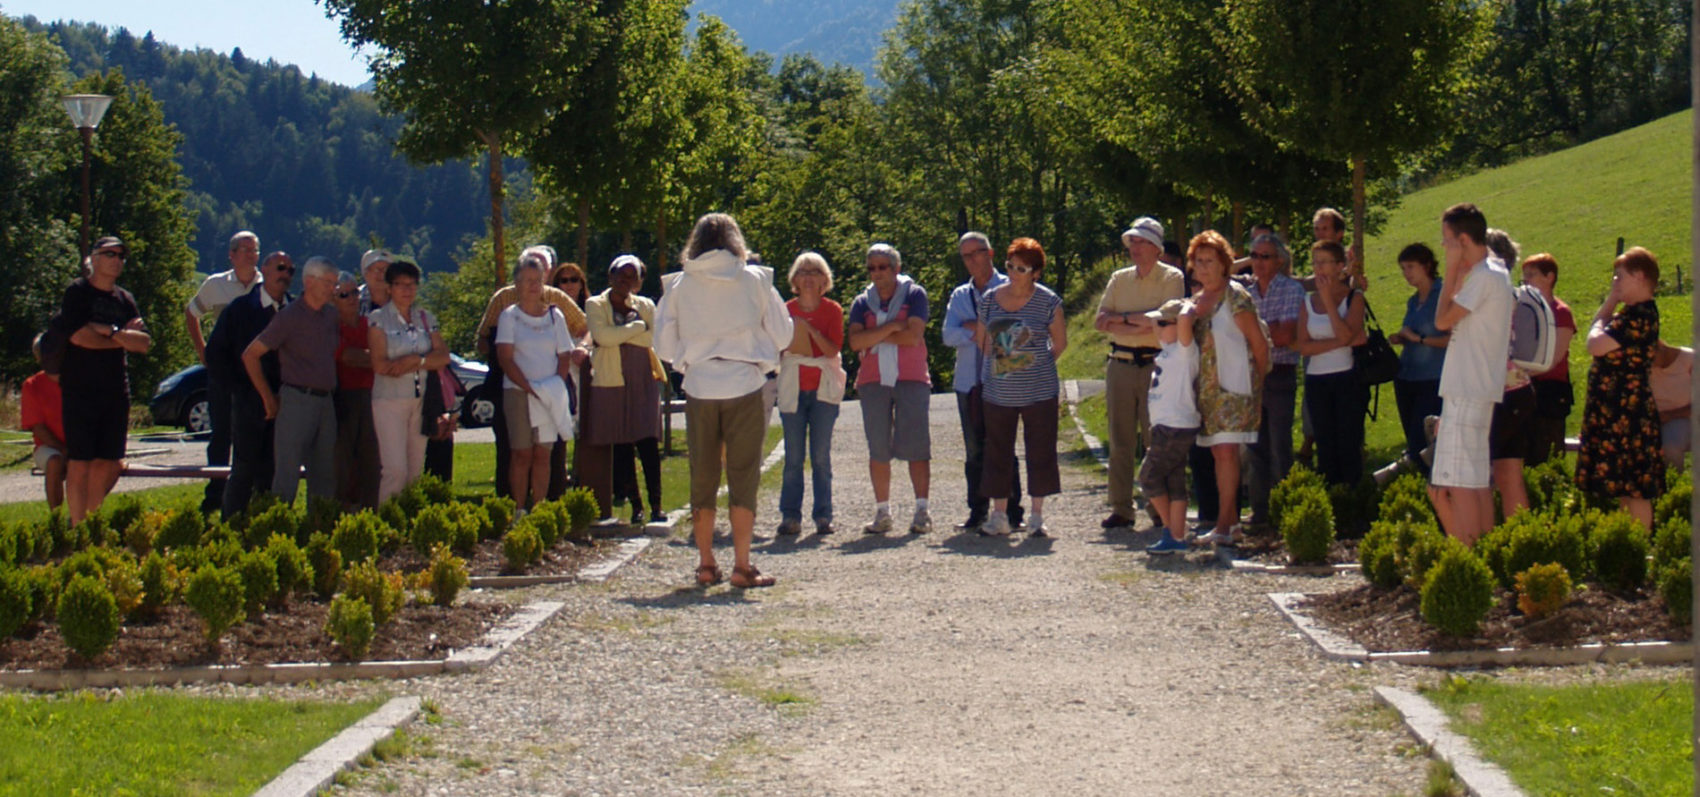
point(1022, 334)
point(1233, 358)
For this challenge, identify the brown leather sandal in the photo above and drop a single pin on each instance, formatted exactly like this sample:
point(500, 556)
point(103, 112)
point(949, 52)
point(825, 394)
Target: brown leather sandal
point(709, 575)
point(746, 578)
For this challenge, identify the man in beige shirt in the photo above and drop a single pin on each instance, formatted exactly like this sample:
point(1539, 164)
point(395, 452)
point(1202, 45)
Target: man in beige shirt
point(1132, 292)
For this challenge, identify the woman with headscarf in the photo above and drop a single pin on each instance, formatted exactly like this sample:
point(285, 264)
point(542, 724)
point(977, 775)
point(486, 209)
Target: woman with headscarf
point(625, 386)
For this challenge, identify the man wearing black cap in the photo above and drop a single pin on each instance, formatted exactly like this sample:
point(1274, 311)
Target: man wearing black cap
point(105, 326)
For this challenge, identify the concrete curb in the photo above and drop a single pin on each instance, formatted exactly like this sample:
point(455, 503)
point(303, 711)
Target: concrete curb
point(628, 550)
point(1244, 566)
point(491, 647)
point(319, 767)
point(1428, 724)
point(1071, 395)
point(1337, 647)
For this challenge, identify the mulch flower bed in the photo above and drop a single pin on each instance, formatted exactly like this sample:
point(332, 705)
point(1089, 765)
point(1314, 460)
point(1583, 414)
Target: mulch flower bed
point(564, 559)
point(295, 633)
point(1391, 620)
point(1266, 548)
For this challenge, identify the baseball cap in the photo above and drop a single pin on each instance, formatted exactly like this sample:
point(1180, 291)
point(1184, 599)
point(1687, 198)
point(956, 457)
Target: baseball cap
point(375, 256)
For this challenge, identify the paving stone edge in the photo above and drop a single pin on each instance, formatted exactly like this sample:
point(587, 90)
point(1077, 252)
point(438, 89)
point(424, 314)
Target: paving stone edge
point(1428, 724)
point(320, 766)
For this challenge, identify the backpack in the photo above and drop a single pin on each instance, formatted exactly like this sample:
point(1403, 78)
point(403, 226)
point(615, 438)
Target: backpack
point(1534, 331)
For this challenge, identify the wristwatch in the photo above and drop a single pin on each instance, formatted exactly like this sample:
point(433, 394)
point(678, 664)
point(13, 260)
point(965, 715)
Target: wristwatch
point(114, 331)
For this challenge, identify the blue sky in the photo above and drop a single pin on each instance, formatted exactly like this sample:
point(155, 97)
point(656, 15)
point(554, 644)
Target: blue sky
point(290, 31)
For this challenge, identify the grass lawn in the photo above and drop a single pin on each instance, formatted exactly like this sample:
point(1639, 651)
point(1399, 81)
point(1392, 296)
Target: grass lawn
point(158, 743)
point(1624, 738)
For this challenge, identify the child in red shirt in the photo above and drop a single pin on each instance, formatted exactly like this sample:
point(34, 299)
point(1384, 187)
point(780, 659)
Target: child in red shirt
point(42, 414)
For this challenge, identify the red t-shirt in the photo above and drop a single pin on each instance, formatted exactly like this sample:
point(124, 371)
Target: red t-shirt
point(1563, 319)
point(41, 403)
point(352, 336)
point(829, 319)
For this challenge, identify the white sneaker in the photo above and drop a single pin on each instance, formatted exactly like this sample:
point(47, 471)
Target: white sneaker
point(1219, 537)
point(996, 525)
point(881, 524)
point(922, 523)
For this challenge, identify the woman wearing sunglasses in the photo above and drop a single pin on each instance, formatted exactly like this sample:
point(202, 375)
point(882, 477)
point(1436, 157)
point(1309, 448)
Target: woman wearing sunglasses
point(1022, 333)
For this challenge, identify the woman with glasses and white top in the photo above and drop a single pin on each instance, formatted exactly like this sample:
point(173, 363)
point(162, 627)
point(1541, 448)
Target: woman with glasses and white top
point(406, 347)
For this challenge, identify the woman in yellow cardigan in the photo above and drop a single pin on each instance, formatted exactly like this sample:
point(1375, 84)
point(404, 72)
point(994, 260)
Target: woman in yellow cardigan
point(625, 390)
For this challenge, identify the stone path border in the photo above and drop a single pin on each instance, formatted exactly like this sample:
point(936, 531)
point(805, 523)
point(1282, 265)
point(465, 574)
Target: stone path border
point(1071, 396)
point(319, 767)
point(1248, 566)
point(1335, 646)
point(470, 659)
point(1428, 724)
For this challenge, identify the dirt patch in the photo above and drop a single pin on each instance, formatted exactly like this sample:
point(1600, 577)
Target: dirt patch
point(295, 633)
point(1391, 620)
point(564, 559)
point(1266, 548)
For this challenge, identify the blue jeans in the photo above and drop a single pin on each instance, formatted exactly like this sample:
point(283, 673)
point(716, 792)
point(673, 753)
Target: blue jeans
point(813, 419)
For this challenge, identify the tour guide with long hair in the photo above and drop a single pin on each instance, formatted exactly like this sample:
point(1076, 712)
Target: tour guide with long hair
point(721, 324)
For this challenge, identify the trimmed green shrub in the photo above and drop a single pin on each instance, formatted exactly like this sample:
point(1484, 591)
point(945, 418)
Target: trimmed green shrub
point(474, 525)
point(1619, 548)
point(522, 547)
point(294, 572)
point(411, 500)
point(350, 624)
point(1543, 589)
point(1676, 586)
point(260, 504)
point(159, 584)
point(278, 519)
point(1378, 553)
point(434, 526)
point(58, 527)
point(326, 562)
point(12, 537)
point(1458, 591)
point(1671, 542)
point(320, 518)
point(1674, 504)
point(1551, 486)
point(1355, 506)
point(1423, 553)
point(448, 576)
point(1527, 539)
point(393, 516)
point(35, 542)
point(15, 597)
point(501, 513)
point(1284, 495)
point(1400, 502)
point(434, 490)
point(384, 592)
point(139, 536)
point(216, 595)
point(122, 512)
point(112, 567)
point(88, 617)
point(92, 531)
point(549, 521)
point(43, 582)
point(1307, 527)
point(182, 529)
point(259, 580)
point(578, 506)
point(356, 537)
point(220, 547)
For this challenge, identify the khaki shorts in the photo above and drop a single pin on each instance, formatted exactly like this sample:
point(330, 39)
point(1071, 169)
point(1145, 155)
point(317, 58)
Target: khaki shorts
point(516, 411)
point(1461, 444)
point(737, 424)
point(44, 455)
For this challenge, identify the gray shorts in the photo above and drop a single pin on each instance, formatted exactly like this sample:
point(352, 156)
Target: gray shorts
point(1163, 473)
point(895, 420)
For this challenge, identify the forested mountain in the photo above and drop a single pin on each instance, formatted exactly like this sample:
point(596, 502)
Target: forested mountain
point(307, 164)
point(833, 31)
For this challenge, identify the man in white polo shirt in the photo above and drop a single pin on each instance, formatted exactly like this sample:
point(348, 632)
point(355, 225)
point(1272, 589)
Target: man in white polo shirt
point(1475, 306)
point(199, 315)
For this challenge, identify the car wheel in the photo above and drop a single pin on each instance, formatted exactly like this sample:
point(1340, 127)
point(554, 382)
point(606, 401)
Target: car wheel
point(483, 411)
point(199, 417)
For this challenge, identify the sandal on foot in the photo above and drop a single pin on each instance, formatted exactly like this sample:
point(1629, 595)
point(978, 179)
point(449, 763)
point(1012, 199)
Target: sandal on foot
point(709, 575)
point(746, 578)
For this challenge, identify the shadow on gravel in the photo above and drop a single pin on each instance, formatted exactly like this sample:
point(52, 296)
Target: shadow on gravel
point(688, 596)
point(868, 543)
point(790, 544)
point(1124, 539)
point(1193, 562)
point(968, 543)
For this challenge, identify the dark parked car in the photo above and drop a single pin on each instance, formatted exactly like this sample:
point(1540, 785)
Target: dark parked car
point(181, 399)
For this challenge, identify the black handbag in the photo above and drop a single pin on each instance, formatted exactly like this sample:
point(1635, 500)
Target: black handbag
point(1374, 362)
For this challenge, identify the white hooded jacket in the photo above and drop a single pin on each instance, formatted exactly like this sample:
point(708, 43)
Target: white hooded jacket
point(722, 324)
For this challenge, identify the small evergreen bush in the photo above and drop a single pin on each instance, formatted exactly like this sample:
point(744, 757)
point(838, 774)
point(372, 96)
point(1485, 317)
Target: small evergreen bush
point(394, 517)
point(221, 546)
point(326, 562)
point(1424, 552)
point(434, 490)
point(122, 512)
point(384, 592)
point(278, 519)
point(356, 537)
point(501, 513)
point(411, 500)
point(448, 576)
point(88, 617)
point(1527, 539)
point(294, 571)
point(139, 536)
point(259, 580)
point(261, 503)
point(92, 531)
point(1284, 495)
point(1543, 589)
point(1307, 528)
point(474, 525)
point(1458, 591)
point(43, 582)
point(549, 521)
point(35, 541)
point(1618, 547)
point(159, 584)
point(15, 608)
point(350, 624)
point(1676, 586)
point(182, 529)
point(1355, 506)
point(1551, 487)
point(1674, 504)
point(320, 518)
point(522, 547)
point(1378, 553)
point(12, 538)
point(435, 525)
point(1671, 542)
point(580, 509)
point(114, 568)
point(58, 529)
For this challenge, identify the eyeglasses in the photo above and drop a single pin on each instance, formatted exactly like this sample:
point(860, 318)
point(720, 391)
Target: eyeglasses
point(345, 294)
point(1262, 256)
point(875, 268)
point(110, 253)
point(1021, 268)
point(284, 269)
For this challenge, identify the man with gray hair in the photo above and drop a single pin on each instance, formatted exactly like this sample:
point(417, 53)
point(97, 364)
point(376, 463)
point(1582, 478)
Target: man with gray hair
point(1131, 292)
point(304, 334)
point(199, 316)
point(961, 322)
point(1280, 303)
point(888, 326)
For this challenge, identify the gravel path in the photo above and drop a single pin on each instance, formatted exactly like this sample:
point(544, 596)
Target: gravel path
point(942, 664)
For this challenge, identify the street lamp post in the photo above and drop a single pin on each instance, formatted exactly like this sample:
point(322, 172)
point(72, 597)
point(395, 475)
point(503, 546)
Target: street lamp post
point(86, 111)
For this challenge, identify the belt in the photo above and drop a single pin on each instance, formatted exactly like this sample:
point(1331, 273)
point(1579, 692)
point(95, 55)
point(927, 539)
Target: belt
point(1137, 355)
point(1283, 367)
point(311, 391)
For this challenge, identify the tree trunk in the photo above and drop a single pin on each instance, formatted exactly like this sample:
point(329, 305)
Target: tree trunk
point(1360, 209)
point(1239, 223)
point(658, 266)
point(498, 241)
point(581, 253)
